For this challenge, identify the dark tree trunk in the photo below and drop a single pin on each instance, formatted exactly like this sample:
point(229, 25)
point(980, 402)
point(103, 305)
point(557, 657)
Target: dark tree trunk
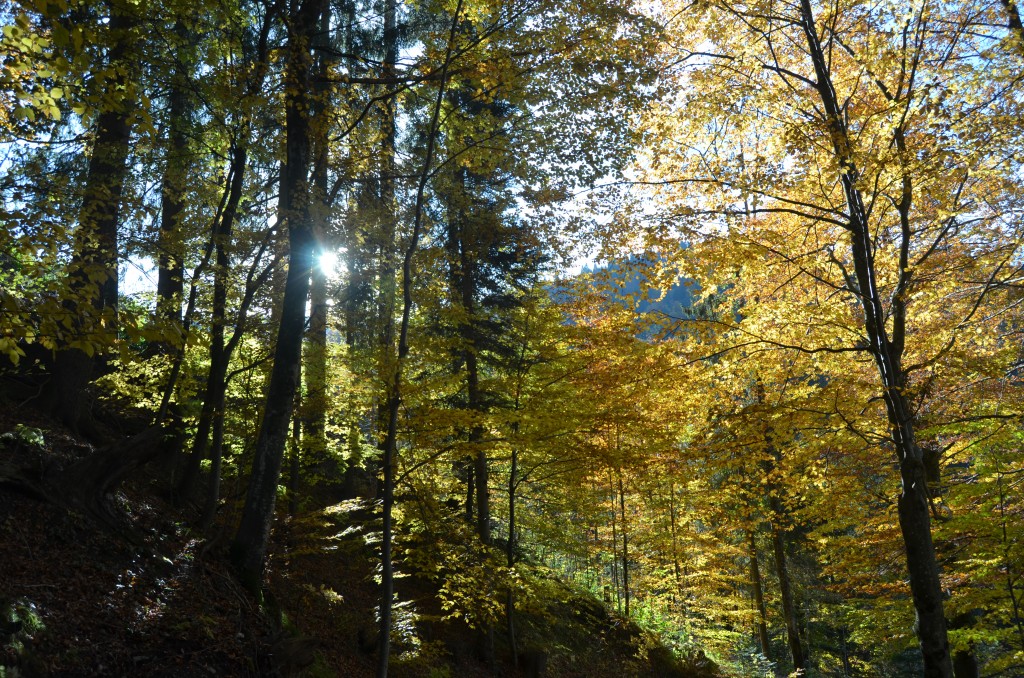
point(1013, 18)
point(796, 650)
point(914, 517)
point(625, 545)
point(92, 273)
point(217, 457)
point(387, 314)
point(467, 464)
point(250, 543)
point(965, 660)
point(510, 553)
point(170, 244)
point(394, 400)
point(314, 411)
point(480, 470)
point(314, 407)
point(475, 404)
point(220, 355)
point(386, 236)
point(756, 585)
point(295, 465)
point(615, 550)
point(965, 664)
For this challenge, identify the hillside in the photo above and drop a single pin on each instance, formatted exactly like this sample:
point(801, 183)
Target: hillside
point(150, 595)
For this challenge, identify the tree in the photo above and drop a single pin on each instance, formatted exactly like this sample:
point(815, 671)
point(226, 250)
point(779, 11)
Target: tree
point(91, 304)
point(249, 546)
point(844, 164)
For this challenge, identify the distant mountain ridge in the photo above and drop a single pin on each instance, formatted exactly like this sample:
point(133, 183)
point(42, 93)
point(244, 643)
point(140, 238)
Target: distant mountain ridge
point(625, 283)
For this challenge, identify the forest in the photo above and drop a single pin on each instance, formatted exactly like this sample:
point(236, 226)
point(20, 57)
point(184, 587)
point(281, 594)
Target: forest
point(512, 337)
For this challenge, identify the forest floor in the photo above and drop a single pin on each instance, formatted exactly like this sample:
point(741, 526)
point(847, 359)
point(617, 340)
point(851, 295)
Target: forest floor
point(79, 600)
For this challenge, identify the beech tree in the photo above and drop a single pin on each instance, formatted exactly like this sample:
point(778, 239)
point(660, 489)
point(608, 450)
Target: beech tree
point(849, 156)
point(250, 543)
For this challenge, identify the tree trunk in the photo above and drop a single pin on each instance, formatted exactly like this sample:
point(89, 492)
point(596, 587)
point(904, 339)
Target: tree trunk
point(615, 551)
point(965, 660)
point(295, 465)
point(314, 407)
point(755, 583)
point(788, 606)
point(395, 391)
point(914, 518)
point(314, 410)
point(92, 273)
point(510, 552)
point(217, 457)
point(250, 543)
point(220, 355)
point(467, 464)
point(625, 545)
point(170, 243)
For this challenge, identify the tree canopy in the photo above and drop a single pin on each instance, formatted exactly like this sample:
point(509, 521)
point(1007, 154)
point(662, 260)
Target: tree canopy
point(321, 251)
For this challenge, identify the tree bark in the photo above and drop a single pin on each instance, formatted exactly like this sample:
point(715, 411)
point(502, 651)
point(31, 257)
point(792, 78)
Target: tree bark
point(216, 468)
point(755, 583)
point(314, 411)
point(965, 660)
point(92, 273)
point(394, 400)
point(249, 547)
point(170, 243)
point(912, 505)
point(615, 550)
point(625, 545)
point(220, 355)
point(796, 650)
point(295, 465)
point(510, 552)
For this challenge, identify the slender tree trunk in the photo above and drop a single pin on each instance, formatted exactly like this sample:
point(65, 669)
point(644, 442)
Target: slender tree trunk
point(314, 411)
point(220, 356)
point(462, 261)
point(250, 543)
point(480, 470)
point(755, 583)
point(294, 463)
point(386, 207)
point(467, 464)
point(912, 504)
point(615, 551)
point(395, 390)
point(510, 552)
point(796, 650)
point(216, 468)
point(625, 545)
